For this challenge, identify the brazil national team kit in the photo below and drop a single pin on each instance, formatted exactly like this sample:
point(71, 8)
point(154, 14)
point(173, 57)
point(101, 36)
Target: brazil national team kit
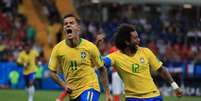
point(78, 69)
point(135, 73)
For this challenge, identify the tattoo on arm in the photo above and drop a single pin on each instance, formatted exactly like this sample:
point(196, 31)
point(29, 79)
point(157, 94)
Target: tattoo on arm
point(165, 74)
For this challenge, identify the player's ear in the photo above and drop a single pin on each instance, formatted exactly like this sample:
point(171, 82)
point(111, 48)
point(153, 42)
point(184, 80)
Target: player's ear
point(127, 43)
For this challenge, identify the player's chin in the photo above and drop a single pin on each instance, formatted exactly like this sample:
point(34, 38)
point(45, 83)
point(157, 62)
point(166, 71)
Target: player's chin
point(70, 36)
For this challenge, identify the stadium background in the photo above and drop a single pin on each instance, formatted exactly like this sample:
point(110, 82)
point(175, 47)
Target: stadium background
point(171, 29)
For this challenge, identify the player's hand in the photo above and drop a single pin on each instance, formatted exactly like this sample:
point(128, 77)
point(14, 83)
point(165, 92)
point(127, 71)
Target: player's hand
point(178, 92)
point(108, 96)
point(68, 89)
point(100, 37)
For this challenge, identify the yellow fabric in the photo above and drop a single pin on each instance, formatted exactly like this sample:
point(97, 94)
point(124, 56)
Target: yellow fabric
point(135, 72)
point(77, 65)
point(29, 59)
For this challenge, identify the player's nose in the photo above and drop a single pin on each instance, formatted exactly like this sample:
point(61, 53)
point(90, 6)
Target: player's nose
point(68, 26)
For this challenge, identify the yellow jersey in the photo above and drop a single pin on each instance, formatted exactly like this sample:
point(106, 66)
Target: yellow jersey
point(29, 59)
point(77, 65)
point(135, 72)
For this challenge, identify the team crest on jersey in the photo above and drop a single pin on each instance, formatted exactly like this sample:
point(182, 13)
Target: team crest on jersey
point(83, 55)
point(142, 60)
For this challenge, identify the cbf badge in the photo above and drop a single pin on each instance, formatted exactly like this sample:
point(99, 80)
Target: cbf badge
point(83, 55)
point(142, 60)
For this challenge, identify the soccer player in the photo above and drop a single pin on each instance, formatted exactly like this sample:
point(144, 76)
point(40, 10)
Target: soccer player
point(116, 85)
point(28, 60)
point(77, 58)
point(133, 64)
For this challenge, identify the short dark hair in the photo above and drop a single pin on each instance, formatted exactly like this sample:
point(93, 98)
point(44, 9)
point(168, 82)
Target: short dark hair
point(72, 15)
point(123, 35)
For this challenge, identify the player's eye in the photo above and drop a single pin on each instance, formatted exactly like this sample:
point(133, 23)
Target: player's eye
point(65, 23)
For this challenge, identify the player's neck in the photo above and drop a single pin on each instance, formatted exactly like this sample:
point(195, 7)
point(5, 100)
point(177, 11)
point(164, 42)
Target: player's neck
point(129, 52)
point(73, 42)
point(27, 52)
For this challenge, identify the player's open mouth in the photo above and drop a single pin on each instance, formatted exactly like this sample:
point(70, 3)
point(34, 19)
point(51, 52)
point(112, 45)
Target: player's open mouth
point(69, 31)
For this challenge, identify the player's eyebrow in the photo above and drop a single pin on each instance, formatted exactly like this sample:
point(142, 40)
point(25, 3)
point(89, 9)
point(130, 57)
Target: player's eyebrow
point(70, 22)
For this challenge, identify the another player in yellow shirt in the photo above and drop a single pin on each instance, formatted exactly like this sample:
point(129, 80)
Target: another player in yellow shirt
point(133, 64)
point(28, 60)
point(77, 58)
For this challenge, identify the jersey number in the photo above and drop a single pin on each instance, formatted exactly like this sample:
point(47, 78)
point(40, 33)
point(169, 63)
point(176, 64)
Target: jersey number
point(73, 65)
point(135, 68)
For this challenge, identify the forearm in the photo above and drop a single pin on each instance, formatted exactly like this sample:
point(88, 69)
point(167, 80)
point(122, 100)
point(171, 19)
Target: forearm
point(57, 79)
point(104, 78)
point(165, 74)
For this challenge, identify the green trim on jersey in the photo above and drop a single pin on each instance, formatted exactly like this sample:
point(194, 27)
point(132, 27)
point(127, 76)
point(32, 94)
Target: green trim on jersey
point(77, 45)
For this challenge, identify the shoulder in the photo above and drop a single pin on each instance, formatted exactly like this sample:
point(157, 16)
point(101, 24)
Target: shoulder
point(63, 42)
point(88, 43)
point(114, 54)
point(60, 44)
point(144, 49)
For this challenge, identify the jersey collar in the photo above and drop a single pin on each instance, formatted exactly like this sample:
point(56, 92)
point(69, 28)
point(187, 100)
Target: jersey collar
point(81, 39)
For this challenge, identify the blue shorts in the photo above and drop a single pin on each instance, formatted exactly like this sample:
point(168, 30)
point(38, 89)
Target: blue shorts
point(88, 95)
point(157, 98)
point(29, 77)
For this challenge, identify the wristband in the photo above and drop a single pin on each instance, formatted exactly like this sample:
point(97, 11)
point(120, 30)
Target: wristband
point(174, 85)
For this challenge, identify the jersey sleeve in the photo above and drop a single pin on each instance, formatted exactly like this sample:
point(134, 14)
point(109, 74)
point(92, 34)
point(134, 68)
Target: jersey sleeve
point(97, 58)
point(108, 60)
point(53, 60)
point(153, 60)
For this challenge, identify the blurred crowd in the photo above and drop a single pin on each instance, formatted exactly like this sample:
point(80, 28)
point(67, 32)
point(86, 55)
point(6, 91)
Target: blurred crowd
point(15, 30)
point(12, 29)
point(173, 35)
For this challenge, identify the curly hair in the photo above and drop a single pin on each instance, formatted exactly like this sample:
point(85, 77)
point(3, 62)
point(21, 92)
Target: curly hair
point(123, 35)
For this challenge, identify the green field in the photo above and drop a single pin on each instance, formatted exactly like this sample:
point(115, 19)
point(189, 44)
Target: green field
point(20, 95)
